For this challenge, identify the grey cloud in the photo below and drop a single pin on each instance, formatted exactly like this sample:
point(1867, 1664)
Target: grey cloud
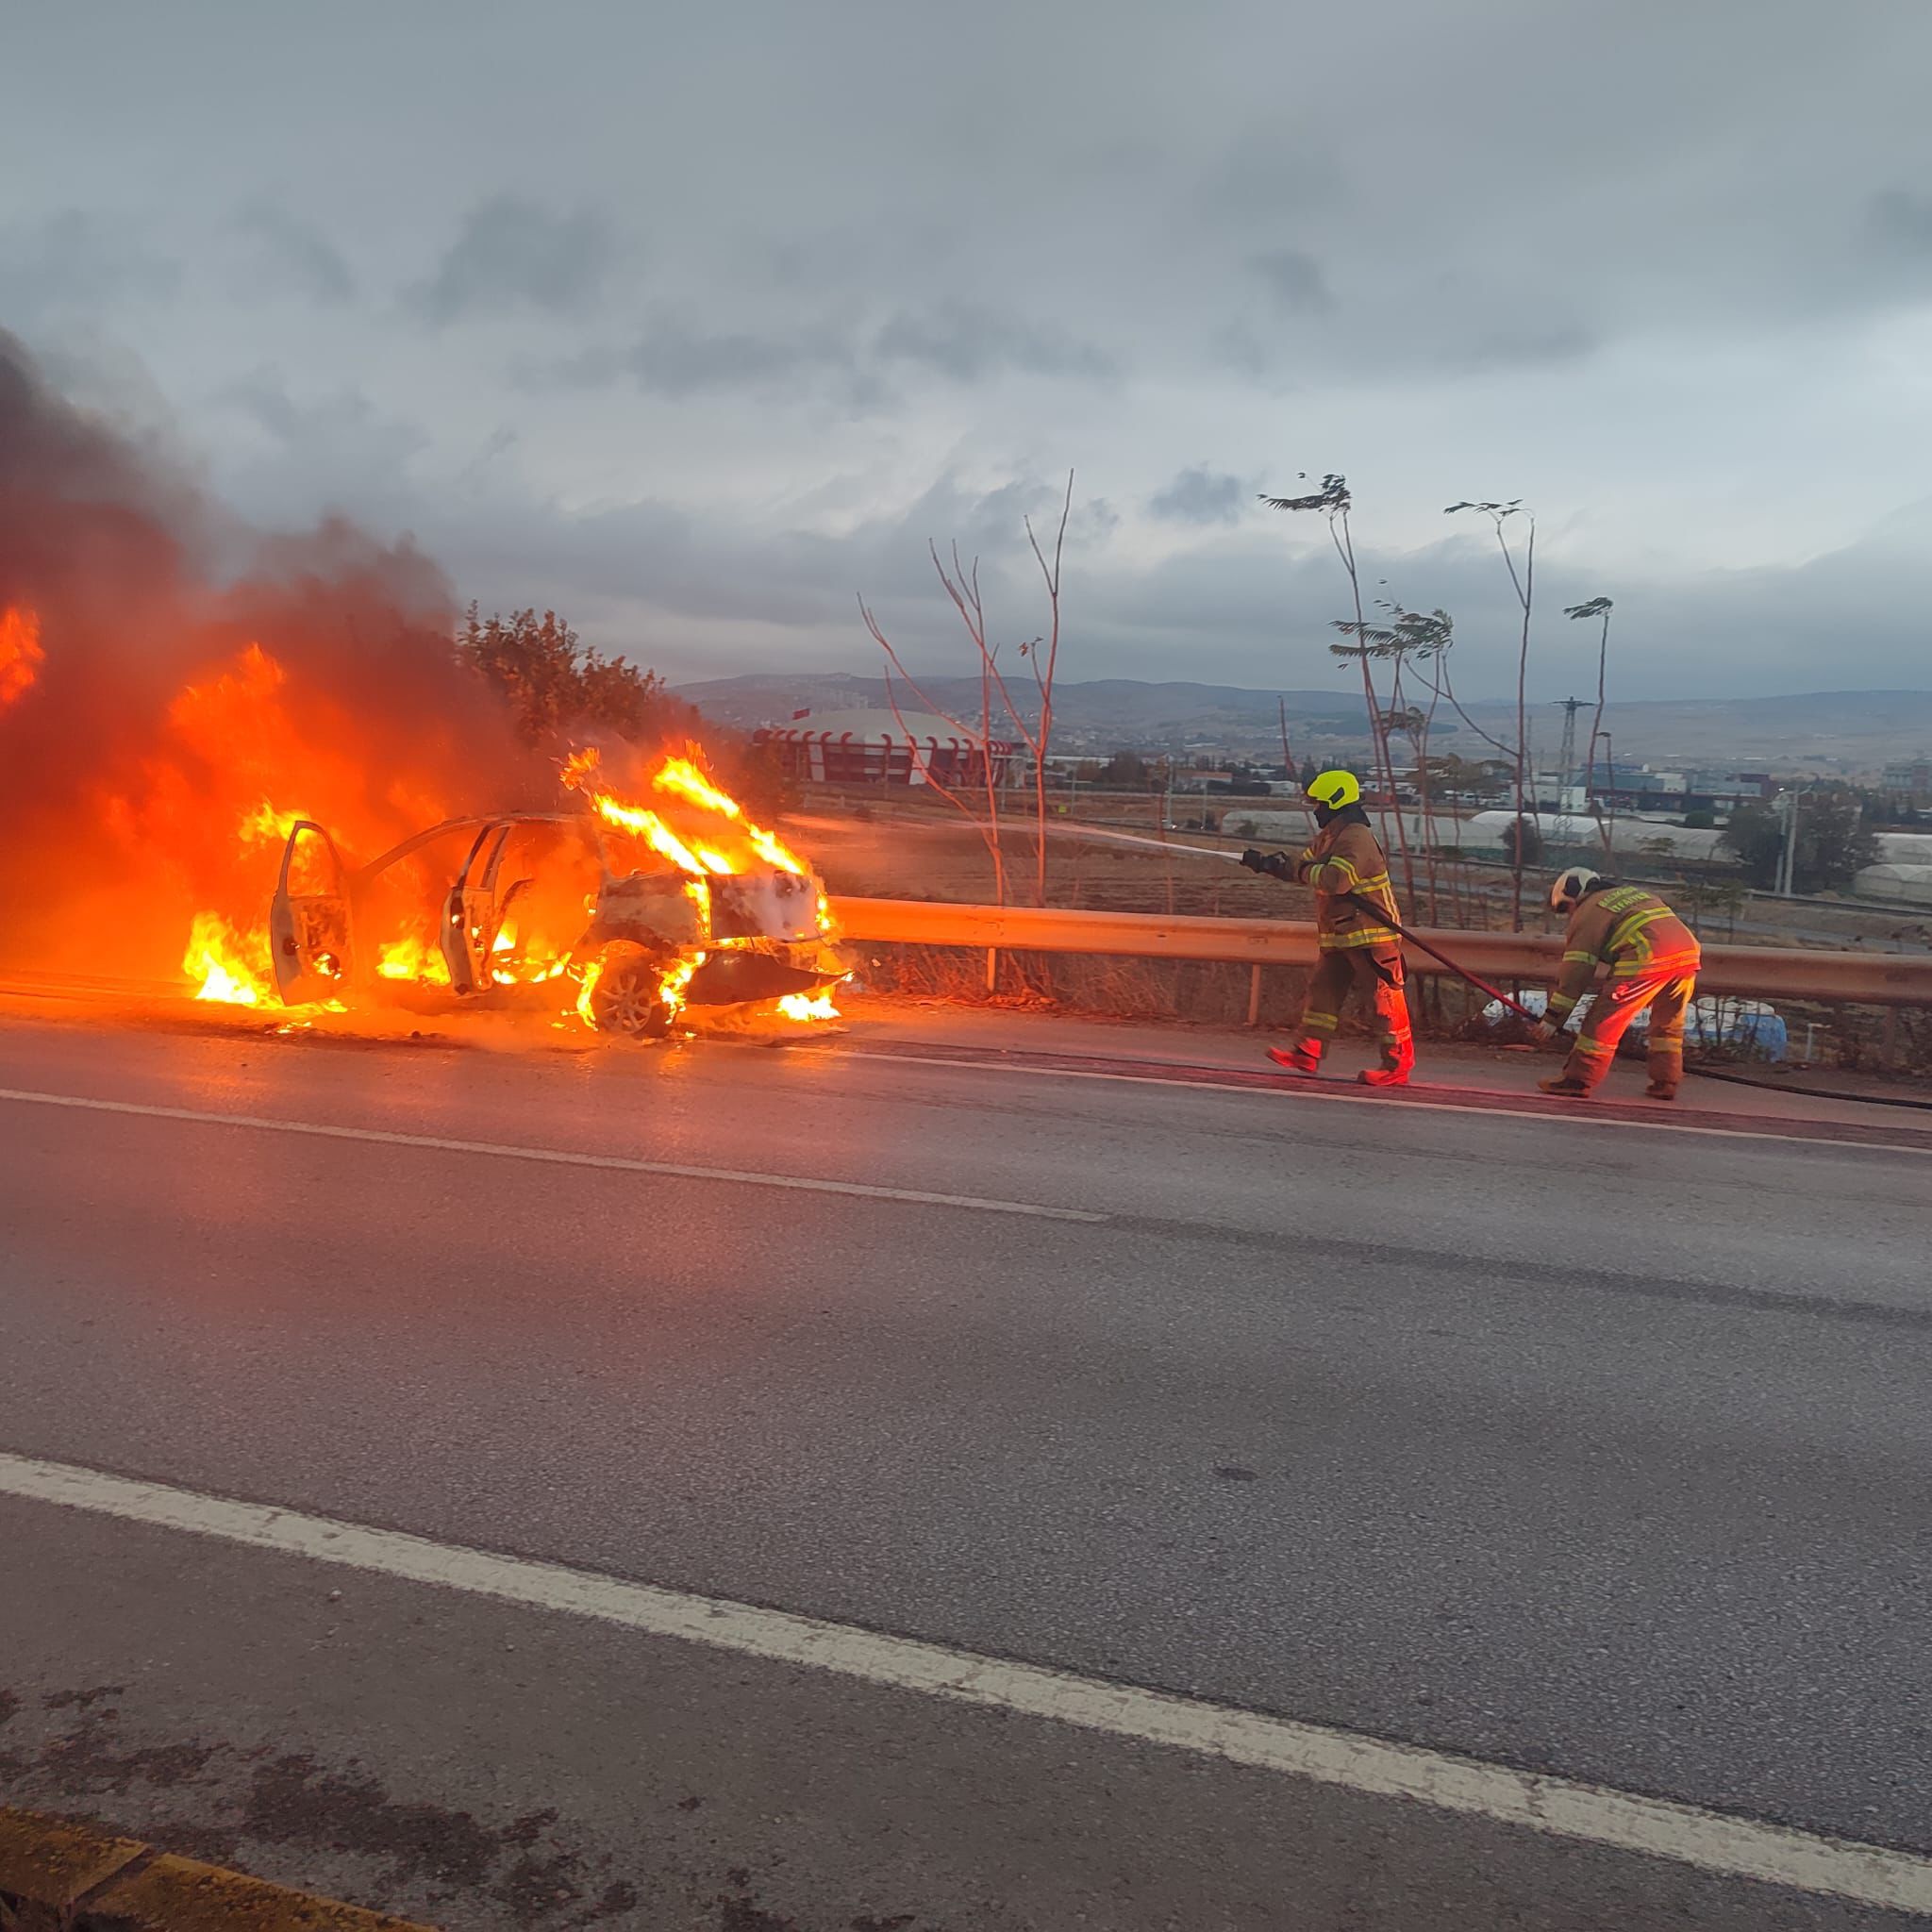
point(76, 260)
point(1295, 279)
point(828, 361)
point(1256, 610)
point(1201, 495)
point(297, 254)
point(969, 343)
point(337, 451)
point(1674, 311)
point(682, 363)
point(1523, 346)
point(513, 254)
point(1903, 221)
point(677, 360)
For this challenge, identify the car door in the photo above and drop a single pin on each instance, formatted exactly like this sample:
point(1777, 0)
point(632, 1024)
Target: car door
point(472, 912)
point(309, 927)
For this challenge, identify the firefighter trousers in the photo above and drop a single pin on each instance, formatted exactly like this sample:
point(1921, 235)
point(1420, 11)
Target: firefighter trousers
point(1375, 973)
point(1666, 988)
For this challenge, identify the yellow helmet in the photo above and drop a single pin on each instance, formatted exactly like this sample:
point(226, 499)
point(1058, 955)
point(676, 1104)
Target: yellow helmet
point(1335, 789)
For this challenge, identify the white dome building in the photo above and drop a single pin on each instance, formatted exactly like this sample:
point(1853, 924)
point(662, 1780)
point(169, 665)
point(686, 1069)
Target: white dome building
point(884, 748)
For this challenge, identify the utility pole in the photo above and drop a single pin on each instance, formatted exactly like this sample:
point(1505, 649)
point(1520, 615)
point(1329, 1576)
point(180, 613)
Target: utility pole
point(1567, 756)
point(1789, 858)
point(1566, 760)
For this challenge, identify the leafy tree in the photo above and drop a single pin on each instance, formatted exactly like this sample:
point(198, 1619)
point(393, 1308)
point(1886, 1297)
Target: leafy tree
point(1834, 841)
point(1126, 768)
point(554, 684)
point(1474, 777)
point(1522, 843)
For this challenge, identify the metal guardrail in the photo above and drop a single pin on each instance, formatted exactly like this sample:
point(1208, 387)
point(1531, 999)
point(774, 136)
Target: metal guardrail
point(1857, 978)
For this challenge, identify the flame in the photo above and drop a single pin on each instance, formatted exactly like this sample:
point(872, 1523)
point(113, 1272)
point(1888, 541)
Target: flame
point(225, 964)
point(237, 719)
point(671, 987)
point(807, 1008)
point(771, 849)
point(265, 825)
point(21, 656)
point(413, 957)
point(683, 778)
point(654, 831)
point(592, 974)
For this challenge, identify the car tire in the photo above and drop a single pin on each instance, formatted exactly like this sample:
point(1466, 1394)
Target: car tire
point(626, 999)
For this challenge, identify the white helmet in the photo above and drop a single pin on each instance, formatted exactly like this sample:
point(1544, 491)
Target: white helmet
point(1571, 886)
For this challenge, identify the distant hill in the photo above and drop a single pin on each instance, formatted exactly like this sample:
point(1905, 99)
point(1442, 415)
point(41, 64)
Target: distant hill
point(1853, 731)
point(1123, 704)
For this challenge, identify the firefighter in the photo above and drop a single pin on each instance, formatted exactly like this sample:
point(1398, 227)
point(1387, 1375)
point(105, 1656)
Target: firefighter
point(1359, 952)
point(1653, 959)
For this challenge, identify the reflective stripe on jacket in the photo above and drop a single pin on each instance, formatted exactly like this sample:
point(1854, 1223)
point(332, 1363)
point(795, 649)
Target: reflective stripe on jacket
point(1632, 931)
point(1345, 857)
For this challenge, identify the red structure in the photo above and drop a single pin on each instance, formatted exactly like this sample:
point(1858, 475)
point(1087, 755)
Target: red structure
point(875, 748)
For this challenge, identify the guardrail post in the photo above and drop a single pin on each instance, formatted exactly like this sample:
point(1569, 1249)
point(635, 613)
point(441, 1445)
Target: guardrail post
point(992, 969)
point(1255, 994)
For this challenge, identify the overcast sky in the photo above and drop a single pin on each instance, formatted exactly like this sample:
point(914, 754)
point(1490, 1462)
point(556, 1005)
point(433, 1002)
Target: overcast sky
point(698, 320)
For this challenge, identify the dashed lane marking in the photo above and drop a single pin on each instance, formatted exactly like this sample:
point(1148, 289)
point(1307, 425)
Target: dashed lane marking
point(555, 1157)
point(1174, 1073)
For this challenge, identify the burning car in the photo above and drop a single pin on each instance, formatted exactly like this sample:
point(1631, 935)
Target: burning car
point(630, 913)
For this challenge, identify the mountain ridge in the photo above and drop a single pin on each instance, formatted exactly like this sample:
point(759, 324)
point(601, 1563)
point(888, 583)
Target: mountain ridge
point(1840, 729)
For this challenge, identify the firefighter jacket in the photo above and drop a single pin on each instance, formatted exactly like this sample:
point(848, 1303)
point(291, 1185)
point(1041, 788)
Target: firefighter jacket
point(1345, 857)
point(1631, 931)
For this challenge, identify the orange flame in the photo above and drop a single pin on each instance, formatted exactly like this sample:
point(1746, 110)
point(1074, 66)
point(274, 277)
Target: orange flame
point(655, 833)
point(413, 957)
point(679, 776)
point(21, 656)
point(265, 825)
point(225, 964)
point(807, 1007)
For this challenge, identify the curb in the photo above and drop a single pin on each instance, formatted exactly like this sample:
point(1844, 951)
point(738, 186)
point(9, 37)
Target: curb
point(61, 1877)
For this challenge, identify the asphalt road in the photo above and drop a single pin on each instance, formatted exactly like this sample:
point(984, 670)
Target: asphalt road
point(1596, 1451)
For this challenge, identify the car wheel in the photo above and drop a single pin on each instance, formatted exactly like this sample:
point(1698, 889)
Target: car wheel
point(626, 998)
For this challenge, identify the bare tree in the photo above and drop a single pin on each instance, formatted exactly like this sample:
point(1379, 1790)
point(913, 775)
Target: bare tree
point(1334, 502)
point(1043, 656)
point(961, 585)
point(1409, 635)
point(988, 830)
point(1522, 581)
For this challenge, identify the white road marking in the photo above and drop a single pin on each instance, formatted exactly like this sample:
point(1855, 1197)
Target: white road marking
point(1292, 1088)
point(1596, 1814)
point(553, 1156)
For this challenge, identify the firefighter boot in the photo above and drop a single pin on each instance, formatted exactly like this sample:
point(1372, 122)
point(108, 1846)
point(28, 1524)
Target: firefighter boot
point(1580, 1074)
point(1398, 1062)
point(1666, 1070)
point(1383, 1076)
point(1304, 1056)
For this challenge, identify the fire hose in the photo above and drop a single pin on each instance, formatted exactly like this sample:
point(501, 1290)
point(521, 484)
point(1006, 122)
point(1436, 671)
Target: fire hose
point(1724, 1073)
point(1382, 917)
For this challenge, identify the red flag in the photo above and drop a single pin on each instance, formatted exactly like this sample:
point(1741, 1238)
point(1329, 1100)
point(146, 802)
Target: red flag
point(806, 713)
